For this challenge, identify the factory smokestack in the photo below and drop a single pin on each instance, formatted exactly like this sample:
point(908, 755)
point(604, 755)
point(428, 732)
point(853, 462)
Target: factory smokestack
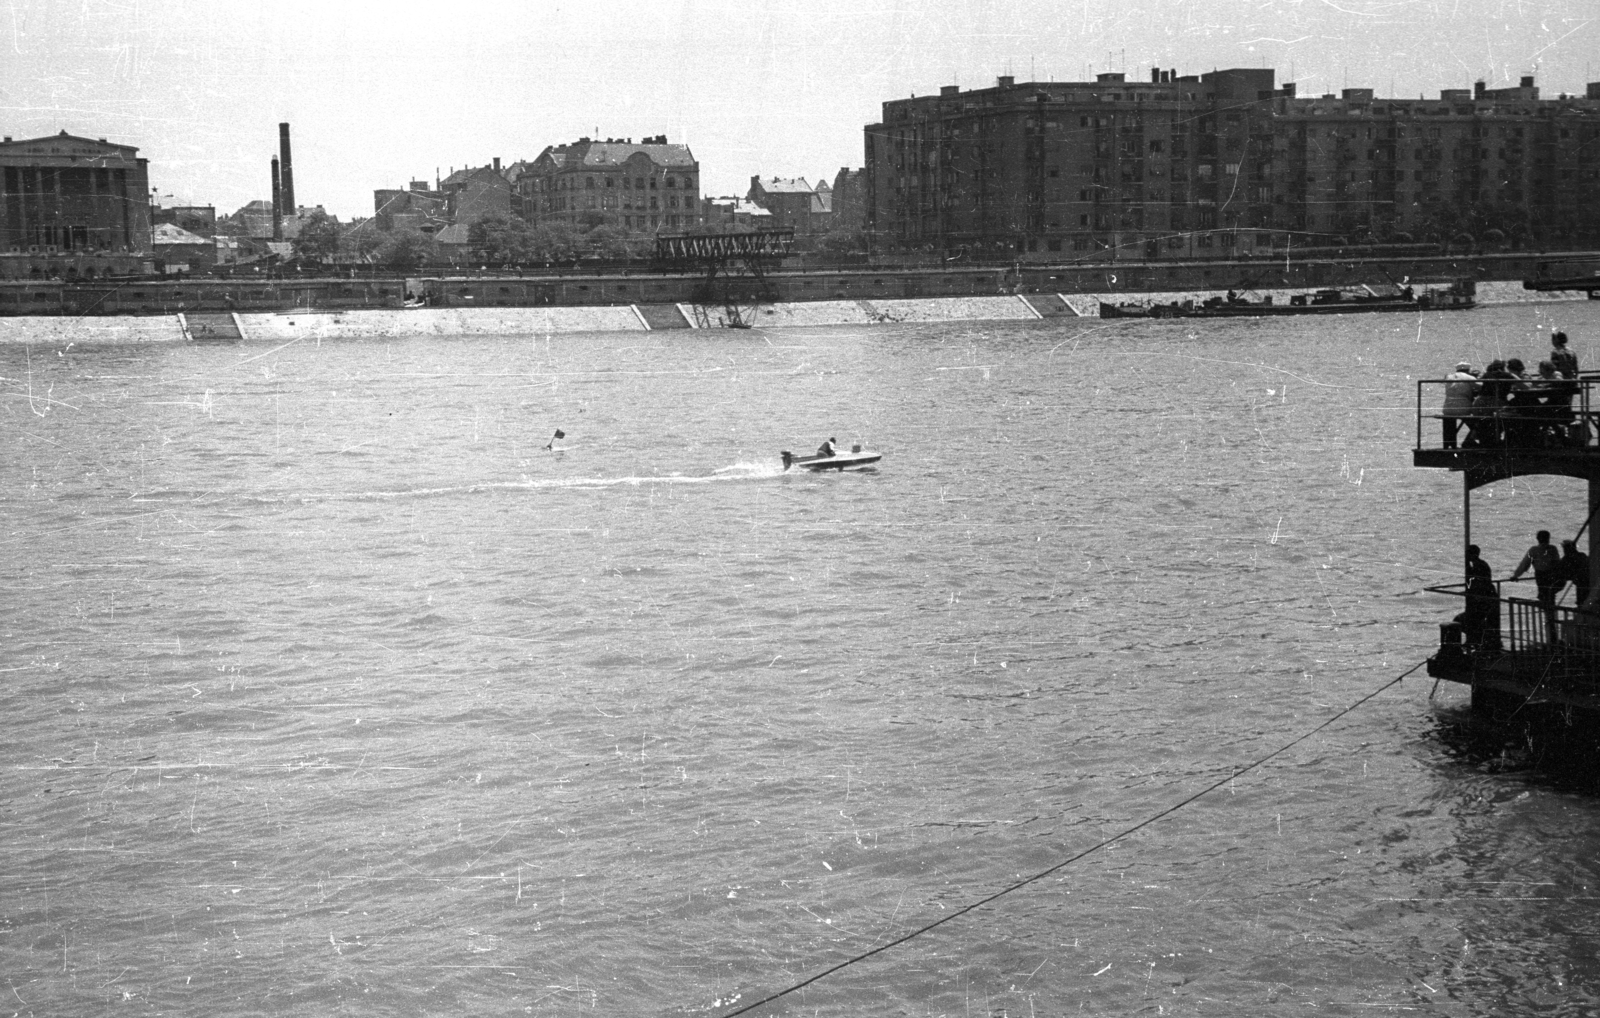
point(289, 207)
point(277, 204)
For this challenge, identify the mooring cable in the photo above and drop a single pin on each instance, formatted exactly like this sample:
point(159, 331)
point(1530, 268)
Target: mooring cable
point(1069, 861)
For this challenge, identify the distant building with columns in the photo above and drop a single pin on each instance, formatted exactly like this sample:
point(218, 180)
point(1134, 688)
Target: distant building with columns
point(72, 206)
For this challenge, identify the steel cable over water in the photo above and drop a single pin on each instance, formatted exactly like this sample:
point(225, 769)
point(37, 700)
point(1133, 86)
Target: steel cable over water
point(1252, 765)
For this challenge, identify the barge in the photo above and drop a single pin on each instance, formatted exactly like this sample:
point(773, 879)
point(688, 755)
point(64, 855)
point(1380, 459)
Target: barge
point(1459, 296)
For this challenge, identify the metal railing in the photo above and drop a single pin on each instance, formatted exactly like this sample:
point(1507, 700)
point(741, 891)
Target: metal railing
point(1525, 626)
point(1534, 413)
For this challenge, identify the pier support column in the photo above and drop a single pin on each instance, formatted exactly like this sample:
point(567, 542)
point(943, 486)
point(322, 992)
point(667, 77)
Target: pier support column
point(1594, 505)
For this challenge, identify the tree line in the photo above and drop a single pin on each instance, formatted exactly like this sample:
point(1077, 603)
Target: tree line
point(495, 239)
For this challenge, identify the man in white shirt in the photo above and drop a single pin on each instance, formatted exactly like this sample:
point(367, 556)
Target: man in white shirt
point(1548, 575)
point(1460, 386)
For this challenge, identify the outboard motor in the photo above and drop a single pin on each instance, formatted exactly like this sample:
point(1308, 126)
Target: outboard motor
point(787, 459)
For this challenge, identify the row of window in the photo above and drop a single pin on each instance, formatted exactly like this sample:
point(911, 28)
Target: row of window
point(570, 183)
point(613, 202)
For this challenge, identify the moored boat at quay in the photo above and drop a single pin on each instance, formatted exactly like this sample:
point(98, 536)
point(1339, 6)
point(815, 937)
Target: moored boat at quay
point(1458, 296)
point(1533, 666)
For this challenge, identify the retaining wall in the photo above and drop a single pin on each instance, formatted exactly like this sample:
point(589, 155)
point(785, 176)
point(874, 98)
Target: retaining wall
point(380, 324)
point(440, 322)
point(85, 331)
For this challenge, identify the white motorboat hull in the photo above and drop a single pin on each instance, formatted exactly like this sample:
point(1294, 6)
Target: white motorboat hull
point(857, 457)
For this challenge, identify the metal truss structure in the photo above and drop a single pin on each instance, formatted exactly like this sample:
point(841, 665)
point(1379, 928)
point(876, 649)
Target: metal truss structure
point(735, 267)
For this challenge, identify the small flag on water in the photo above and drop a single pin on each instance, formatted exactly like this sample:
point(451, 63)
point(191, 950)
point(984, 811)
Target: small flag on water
point(552, 442)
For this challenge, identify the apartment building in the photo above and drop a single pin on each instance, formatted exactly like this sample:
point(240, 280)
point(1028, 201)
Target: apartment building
point(1225, 164)
point(642, 187)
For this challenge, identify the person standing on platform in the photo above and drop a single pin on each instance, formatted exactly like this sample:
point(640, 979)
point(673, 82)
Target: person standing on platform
point(1547, 576)
point(1575, 570)
point(1460, 386)
point(1480, 623)
point(1476, 566)
point(1565, 361)
point(1488, 408)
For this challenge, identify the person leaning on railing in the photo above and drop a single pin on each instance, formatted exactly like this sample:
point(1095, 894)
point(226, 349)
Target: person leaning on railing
point(1480, 623)
point(1524, 406)
point(1575, 570)
point(1548, 578)
point(1493, 389)
point(1460, 386)
point(1554, 411)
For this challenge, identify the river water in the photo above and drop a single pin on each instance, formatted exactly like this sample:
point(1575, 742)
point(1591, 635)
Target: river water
point(330, 690)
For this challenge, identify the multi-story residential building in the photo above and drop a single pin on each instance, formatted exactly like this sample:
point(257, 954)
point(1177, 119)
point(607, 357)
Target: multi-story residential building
point(642, 188)
point(65, 195)
point(1224, 164)
point(794, 204)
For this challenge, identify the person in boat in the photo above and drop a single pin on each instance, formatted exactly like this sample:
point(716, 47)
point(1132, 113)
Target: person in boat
point(827, 448)
point(1575, 570)
point(1565, 360)
point(1460, 388)
point(1548, 578)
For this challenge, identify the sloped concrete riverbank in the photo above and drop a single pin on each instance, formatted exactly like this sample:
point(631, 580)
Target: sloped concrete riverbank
point(59, 331)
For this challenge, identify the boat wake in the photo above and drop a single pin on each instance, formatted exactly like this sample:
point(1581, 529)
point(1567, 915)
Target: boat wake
point(750, 468)
point(741, 471)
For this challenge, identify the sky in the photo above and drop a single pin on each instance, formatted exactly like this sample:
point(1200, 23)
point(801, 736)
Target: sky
point(379, 94)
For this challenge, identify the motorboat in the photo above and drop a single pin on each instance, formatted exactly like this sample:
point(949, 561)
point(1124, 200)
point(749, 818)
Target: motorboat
point(856, 457)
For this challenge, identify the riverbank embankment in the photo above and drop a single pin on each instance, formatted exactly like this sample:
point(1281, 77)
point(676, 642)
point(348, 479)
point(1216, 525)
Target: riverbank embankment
point(61, 331)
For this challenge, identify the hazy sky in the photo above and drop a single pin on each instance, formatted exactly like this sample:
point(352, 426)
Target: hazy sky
point(380, 93)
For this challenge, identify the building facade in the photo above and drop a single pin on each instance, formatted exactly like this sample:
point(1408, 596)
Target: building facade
point(198, 219)
point(415, 208)
point(643, 187)
point(795, 204)
point(64, 198)
point(476, 191)
point(730, 215)
point(1225, 164)
point(849, 201)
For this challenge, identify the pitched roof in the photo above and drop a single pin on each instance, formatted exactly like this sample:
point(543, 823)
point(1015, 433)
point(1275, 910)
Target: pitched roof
point(615, 153)
point(466, 173)
point(167, 233)
point(455, 233)
point(65, 139)
point(785, 185)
